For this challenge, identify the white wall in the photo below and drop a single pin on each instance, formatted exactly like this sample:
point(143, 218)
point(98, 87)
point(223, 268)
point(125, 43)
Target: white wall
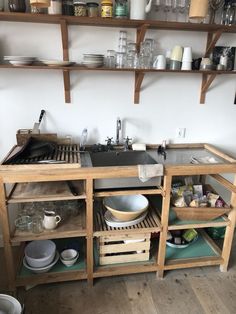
point(167, 101)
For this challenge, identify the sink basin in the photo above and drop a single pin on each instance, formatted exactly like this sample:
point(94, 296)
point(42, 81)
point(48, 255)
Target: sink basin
point(123, 158)
point(119, 158)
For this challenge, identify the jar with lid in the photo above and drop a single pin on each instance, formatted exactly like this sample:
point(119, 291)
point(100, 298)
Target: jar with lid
point(92, 9)
point(17, 5)
point(55, 7)
point(80, 8)
point(67, 7)
point(121, 9)
point(106, 8)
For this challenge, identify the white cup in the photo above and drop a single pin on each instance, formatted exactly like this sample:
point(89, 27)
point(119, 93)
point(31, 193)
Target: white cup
point(187, 54)
point(177, 53)
point(160, 62)
point(224, 61)
point(51, 220)
point(186, 65)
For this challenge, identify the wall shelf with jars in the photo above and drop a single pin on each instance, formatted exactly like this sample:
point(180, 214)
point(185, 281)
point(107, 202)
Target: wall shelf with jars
point(214, 32)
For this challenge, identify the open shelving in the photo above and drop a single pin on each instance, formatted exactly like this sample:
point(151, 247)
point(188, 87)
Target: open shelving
point(213, 31)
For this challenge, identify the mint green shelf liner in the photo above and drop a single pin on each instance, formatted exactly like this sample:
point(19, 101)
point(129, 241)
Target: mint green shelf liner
point(59, 267)
point(200, 248)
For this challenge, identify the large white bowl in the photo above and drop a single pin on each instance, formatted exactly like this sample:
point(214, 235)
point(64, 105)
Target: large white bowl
point(39, 270)
point(9, 305)
point(40, 253)
point(126, 207)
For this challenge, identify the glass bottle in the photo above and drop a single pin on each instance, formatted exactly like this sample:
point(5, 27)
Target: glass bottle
point(17, 5)
point(121, 9)
point(55, 7)
point(228, 14)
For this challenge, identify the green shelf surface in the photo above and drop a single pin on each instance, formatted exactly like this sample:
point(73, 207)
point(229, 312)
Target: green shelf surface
point(59, 267)
point(200, 248)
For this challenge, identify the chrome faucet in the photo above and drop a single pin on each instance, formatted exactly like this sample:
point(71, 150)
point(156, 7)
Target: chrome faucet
point(118, 129)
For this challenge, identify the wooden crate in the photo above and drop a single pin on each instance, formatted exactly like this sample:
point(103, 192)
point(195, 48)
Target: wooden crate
point(114, 250)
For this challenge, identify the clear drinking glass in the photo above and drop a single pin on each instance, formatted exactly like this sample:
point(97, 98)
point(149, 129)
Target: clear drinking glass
point(120, 59)
point(167, 6)
point(111, 59)
point(37, 224)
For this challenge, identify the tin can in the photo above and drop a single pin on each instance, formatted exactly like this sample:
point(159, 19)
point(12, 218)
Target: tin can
point(80, 8)
point(106, 8)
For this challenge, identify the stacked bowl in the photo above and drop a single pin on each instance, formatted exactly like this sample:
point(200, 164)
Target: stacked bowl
point(93, 60)
point(40, 256)
point(19, 60)
point(125, 210)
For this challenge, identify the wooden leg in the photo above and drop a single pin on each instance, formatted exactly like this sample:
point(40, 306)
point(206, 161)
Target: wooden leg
point(229, 234)
point(89, 227)
point(8, 253)
point(164, 223)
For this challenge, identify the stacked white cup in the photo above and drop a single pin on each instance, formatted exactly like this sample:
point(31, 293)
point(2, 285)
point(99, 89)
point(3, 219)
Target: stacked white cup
point(187, 59)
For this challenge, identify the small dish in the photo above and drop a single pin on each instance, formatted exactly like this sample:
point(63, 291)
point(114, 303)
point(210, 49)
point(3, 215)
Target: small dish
point(19, 58)
point(69, 257)
point(9, 305)
point(20, 62)
point(40, 270)
point(181, 246)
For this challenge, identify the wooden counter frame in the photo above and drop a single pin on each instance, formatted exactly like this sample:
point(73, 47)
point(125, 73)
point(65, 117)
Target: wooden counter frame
point(47, 173)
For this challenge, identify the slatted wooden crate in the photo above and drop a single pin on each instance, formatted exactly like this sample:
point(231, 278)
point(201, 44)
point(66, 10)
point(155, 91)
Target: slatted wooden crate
point(114, 249)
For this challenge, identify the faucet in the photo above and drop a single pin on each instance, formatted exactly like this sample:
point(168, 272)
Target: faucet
point(109, 144)
point(162, 150)
point(118, 129)
point(126, 143)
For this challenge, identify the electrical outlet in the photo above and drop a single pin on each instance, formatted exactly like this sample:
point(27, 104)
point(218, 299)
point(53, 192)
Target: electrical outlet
point(180, 132)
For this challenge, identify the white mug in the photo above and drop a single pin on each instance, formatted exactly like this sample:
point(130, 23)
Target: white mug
point(160, 62)
point(51, 220)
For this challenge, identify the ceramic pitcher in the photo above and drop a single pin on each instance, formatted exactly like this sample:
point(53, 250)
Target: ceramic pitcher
point(51, 220)
point(138, 9)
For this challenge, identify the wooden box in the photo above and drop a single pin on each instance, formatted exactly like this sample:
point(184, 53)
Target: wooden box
point(124, 248)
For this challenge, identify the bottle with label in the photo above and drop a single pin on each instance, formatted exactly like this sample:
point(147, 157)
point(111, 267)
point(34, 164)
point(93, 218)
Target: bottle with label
point(106, 8)
point(121, 9)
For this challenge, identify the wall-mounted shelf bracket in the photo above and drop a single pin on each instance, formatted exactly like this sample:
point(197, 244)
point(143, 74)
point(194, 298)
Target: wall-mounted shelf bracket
point(212, 39)
point(141, 31)
point(65, 49)
point(206, 83)
point(138, 82)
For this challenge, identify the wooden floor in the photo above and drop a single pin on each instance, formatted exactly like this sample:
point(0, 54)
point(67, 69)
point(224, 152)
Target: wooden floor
point(195, 291)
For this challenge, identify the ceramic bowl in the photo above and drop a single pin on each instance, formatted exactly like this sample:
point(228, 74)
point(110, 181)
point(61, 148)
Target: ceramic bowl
point(40, 253)
point(9, 305)
point(126, 207)
point(39, 270)
point(69, 257)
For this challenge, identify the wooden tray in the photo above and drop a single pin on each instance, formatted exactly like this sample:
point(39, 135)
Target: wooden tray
point(200, 213)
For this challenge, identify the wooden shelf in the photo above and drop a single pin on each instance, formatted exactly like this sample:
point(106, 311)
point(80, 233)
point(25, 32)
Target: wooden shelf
point(203, 252)
point(150, 224)
point(46, 191)
point(71, 227)
point(58, 273)
point(127, 23)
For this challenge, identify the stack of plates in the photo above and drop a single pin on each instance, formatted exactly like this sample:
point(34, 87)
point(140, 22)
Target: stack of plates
point(93, 60)
point(111, 221)
point(19, 60)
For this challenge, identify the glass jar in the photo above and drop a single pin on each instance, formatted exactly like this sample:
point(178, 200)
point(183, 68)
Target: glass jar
point(106, 8)
point(67, 7)
point(92, 9)
point(121, 9)
point(17, 5)
point(80, 8)
point(55, 7)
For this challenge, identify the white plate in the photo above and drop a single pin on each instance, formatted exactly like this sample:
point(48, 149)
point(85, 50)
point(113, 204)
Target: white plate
point(41, 269)
point(92, 55)
point(93, 65)
point(56, 62)
point(8, 304)
point(111, 221)
point(19, 58)
point(20, 62)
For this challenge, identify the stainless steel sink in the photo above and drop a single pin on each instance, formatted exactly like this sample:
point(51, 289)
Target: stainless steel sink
point(119, 158)
point(123, 158)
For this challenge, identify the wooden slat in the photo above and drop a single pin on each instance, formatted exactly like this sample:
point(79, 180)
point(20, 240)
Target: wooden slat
point(219, 153)
point(129, 247)
point(139, 257)
point(194, 262)
point(129, 192)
